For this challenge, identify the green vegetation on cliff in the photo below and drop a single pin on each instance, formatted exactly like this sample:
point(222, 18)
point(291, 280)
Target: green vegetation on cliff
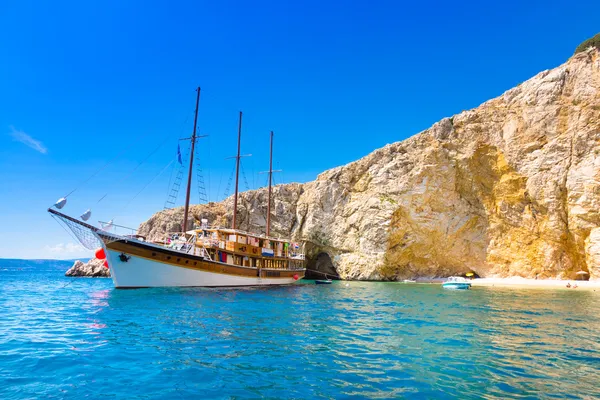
point(591, 42)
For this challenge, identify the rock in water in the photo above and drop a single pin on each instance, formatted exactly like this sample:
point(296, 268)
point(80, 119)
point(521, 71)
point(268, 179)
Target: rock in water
point(94, 268)
point(510, 188)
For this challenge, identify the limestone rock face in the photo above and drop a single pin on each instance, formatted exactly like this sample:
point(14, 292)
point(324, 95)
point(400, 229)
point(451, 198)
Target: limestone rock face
point(511, 188)
point(592, 252)
point(94, 269)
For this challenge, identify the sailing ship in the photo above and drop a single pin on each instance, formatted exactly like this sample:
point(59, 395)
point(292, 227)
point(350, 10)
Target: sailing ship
point(201, 257)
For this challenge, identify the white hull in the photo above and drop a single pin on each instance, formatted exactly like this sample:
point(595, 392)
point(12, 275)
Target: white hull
point(142, 272)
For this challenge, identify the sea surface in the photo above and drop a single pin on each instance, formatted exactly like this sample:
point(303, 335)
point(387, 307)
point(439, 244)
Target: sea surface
point(73, 338)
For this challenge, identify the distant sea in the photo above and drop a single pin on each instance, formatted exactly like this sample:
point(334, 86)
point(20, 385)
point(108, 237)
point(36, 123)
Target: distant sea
point(74, 338)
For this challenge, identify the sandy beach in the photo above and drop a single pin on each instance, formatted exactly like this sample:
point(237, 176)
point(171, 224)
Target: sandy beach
point(537, 283)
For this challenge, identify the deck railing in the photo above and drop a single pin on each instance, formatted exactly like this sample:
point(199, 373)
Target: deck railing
point(120, 230)
point(188, 243)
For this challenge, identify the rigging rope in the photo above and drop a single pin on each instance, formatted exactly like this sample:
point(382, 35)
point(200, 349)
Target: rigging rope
point(253, 172)
point(244, 175)
point(202, 197)
point(146, 185)
point(208, 171)
point(100, 170)
point(110, 162)
point(228, 188)
point(63, 225)
point(219, 187)
point(137, 166)
point(175, 167)
point(170, 181)
point(173, 191)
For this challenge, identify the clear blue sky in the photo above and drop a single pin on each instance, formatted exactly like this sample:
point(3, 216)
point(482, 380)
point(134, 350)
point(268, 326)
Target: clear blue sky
point(81, 81)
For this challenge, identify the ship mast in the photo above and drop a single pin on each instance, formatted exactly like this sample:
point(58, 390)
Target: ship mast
point(189, 182)
point(237, 172)
point(270, 179)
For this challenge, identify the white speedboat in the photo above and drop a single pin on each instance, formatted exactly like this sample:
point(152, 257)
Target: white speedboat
point(456, 282)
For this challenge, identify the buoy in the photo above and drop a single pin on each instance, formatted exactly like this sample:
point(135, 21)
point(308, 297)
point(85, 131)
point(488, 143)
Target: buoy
point(106, 264)
point(296, 277)
point(100, 254)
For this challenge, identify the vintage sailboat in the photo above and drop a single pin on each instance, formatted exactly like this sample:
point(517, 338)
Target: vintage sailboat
point(206, 256)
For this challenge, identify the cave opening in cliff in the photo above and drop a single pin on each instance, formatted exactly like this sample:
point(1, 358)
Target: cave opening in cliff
point(320, 266)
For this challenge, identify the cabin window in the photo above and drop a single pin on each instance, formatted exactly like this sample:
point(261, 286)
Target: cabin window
point(153, 254)
point(252, 241)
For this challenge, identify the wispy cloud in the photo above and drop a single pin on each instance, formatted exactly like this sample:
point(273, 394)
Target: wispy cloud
point(27, 140)
point(64, 248)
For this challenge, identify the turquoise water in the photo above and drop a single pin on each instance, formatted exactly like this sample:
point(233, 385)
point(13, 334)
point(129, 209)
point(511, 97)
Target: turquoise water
point(367, 340)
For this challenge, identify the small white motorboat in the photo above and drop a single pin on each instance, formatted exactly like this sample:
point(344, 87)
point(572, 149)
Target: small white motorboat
point(456, 282)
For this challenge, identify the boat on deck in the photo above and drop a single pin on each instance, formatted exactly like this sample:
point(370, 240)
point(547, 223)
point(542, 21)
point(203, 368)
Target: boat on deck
point(202, 257)
point(457, 282)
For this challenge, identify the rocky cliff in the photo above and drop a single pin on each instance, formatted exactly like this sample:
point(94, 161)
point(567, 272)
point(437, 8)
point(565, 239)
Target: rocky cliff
point(511, 188)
